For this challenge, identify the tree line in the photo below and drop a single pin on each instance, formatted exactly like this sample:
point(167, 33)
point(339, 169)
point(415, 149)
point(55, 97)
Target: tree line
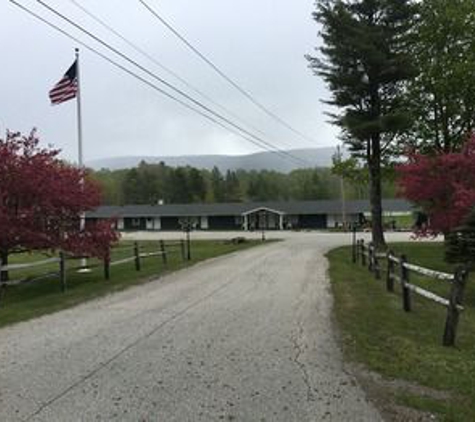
point(152, 183)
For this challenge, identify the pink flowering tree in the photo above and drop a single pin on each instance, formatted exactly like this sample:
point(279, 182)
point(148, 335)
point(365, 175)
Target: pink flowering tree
point(41, 198)
point(442, 185)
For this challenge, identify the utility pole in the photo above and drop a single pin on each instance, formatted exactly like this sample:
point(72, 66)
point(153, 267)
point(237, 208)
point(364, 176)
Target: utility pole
point(342, 190)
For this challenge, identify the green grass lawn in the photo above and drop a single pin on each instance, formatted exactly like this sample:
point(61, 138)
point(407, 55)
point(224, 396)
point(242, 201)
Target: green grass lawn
point(29, 300)
point(402, 221)
point(378, 333)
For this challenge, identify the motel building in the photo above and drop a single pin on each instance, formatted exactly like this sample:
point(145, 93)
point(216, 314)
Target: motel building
point(295, 215)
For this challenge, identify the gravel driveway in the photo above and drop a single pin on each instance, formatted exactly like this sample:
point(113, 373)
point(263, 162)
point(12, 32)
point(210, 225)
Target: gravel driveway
point(245, 337)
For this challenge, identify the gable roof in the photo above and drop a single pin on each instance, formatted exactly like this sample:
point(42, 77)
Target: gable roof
point(240, 208)
point(263, 208)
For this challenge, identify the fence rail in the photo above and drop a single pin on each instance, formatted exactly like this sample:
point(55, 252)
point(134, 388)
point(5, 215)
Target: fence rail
point(29, 280)
point(13, 267)
point(429, 273)
point(398, 270)
point(121, 261)
point(163, 250)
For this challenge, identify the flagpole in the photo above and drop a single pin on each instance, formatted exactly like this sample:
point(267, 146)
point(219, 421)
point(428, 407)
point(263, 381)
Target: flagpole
point(79, 117)
point(82, 216)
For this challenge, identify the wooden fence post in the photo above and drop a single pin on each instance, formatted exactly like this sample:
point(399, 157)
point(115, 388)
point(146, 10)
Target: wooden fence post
point(406, 293)
point(107, 262)
point(164, 252)
point(2, 285)
point(376, 267)
point(182, 246)
point(357, 251)
point(188, 246)
point(62, 271)
point(363, 256)
point(390, 272)
point(453, 313)
point(354, 244)
point(137, 256)
point(370, 257)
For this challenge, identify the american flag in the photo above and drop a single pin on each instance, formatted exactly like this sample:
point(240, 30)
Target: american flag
point(67, 88)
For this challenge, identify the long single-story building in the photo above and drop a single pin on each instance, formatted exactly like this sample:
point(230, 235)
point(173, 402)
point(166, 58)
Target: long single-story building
point(245, 216)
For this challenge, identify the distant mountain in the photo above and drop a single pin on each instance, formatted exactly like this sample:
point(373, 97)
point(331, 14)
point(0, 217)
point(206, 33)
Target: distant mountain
point(316, 157)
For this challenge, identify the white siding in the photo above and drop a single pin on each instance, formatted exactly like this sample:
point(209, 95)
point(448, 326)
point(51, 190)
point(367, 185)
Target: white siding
point(330, 221)
point(157, 223)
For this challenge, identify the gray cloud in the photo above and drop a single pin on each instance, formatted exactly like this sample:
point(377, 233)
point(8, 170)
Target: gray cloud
point(260, 44)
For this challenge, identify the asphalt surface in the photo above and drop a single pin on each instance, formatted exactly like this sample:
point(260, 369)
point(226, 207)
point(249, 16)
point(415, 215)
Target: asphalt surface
point(245, 337)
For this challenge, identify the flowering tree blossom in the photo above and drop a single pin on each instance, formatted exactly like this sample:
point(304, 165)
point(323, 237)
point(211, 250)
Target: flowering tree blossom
point(41, 198)
point(443, 185)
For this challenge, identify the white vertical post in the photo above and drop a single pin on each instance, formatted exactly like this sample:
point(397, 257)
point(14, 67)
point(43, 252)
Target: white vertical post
point(343, 202)
point(82, 216)
point(78, 98)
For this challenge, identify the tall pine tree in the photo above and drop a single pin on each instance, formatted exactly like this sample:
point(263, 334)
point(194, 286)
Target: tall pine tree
point(365, 62)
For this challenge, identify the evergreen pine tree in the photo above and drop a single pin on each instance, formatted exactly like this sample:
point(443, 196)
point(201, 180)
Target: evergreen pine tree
point(366, 64)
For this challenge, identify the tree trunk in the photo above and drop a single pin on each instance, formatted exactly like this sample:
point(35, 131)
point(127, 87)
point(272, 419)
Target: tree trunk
point(4, 261)
point(374, 164)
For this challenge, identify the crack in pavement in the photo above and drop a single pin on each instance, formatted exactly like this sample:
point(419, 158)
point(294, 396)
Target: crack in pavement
point(299, 347)
point(299, 343)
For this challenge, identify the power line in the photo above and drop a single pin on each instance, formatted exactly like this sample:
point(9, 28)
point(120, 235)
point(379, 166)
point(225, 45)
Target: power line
point(167, 84)
point(166, 69)
point(281, 154)
point(224, 76)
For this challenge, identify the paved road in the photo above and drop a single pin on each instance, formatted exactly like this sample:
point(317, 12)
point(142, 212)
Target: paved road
point(246, 337)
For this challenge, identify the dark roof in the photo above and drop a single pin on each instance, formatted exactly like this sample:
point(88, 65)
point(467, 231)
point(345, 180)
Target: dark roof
point(290, 207)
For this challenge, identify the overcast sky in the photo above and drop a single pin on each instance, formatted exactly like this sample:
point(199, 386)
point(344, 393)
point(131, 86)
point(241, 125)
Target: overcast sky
point(259, 44)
